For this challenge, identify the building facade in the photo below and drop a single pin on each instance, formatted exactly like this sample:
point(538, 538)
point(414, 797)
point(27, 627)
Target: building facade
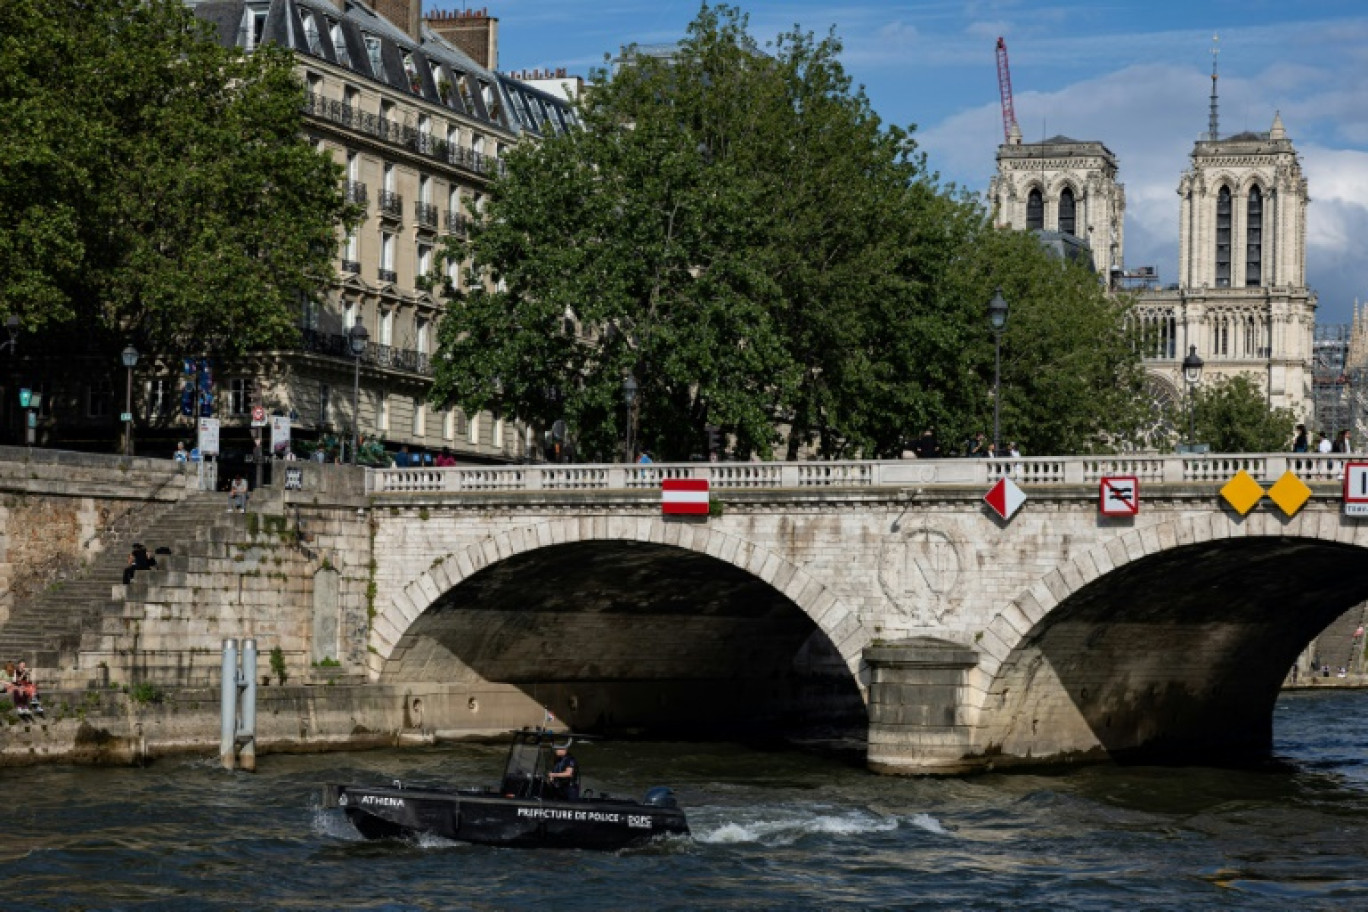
point(420, 129)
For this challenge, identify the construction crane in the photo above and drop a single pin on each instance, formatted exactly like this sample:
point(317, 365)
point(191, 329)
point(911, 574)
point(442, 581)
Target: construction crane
point(1005, 90)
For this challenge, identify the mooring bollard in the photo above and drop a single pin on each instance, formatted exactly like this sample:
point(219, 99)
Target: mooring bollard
point(237, 732)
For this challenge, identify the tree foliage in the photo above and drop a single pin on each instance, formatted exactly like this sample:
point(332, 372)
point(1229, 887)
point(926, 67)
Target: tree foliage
point(737, 230)
point(1232, 415)
point(158, 185)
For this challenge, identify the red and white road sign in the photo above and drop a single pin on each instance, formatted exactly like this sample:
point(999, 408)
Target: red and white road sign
point(684, 495)
point(258, 416)
point(1120, 495)
point(1356, 489)
point(1005, 497)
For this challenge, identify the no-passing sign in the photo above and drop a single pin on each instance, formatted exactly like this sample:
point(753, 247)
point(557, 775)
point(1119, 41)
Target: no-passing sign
point(1356, 489)
point(1120, 495)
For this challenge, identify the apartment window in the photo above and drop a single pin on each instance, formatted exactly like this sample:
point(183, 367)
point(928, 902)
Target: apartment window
point(384, 410)
point(476, 203)
point(425, 189)
point(477, 143)
point(424, 259)
point(386, 327)
point(239, 396)
point(498, 432)
point(387, 251)
point(373, 52)
point(349, 315)
point(424, 124)
point(419, 418)
point(454, 200)
point(1254, 238)
point(1066, 212)
point(1035, 211)
point(351, 248)
point(473, 430)
point(308, 315)
point(453, 137)
point(449, 425)
point(351, 97)
point(386, 110)
point(1223, 238)
point(324, 404)
point(421, 336)
point(389, 177)
point(353, 166)
point(315, 83)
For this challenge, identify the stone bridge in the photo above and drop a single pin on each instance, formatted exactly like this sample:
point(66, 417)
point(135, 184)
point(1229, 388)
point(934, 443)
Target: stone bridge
point(819, 596)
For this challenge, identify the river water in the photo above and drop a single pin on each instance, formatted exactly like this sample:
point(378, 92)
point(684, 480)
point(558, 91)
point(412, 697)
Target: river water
point(772, 829)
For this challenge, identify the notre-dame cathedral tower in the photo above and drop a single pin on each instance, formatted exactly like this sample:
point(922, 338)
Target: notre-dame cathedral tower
point(1240, 299)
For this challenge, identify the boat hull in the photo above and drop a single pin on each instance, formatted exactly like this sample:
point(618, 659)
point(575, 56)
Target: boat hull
point(487, 818)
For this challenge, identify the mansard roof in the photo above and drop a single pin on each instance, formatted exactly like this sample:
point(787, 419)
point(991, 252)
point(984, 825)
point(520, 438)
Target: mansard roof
point(516, 107)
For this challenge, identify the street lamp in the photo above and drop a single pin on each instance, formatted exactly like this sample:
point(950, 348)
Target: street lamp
point(357, 337)
point(130, 361)
point(997, 318)
point(12, 325)
point(629, 396)
point(1192, 373)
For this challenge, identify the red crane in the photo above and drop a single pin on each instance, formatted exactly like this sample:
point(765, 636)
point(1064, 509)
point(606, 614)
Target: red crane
point(1005, 90)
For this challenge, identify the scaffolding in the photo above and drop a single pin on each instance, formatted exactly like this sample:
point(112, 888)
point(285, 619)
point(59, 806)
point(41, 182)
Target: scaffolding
point(1339, 379)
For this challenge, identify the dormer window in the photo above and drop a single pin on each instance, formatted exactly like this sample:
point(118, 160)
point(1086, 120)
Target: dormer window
point(415, 82)
point(377, 64)
point(311, 35)
point(339, 43)
point(253, 27)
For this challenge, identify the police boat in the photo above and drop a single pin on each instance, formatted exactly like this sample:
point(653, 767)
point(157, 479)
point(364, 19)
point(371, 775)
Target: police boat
point(528, 809)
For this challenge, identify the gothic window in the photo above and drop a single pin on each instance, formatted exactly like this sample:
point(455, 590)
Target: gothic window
point(1066, 212)
point(1220, 336)
point(1223, 238)
point(1035, 211)
point(1254, 238)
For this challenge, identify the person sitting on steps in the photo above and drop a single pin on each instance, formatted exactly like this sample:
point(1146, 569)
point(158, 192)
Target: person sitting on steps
point(24, 692)
point(237, 494)
point(138, 559)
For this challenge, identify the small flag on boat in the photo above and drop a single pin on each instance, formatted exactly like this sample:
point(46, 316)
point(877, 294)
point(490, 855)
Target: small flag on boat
point(684, 495)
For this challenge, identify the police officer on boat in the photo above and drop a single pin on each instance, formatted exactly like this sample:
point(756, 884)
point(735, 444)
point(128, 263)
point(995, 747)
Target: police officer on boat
point(564, 775)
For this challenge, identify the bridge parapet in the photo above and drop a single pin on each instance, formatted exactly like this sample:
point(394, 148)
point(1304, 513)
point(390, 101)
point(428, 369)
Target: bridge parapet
point(1048, 471)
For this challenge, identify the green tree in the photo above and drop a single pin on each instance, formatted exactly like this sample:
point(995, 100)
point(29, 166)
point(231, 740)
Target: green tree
point(1232, 415)
point(159, 185)
point(737, 230)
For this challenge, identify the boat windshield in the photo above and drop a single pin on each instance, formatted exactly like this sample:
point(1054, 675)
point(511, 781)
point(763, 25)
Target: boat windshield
point(522, 771)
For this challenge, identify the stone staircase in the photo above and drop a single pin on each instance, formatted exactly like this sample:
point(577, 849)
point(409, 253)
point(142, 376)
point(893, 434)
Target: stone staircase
point(1336, 645)
point(47, 630)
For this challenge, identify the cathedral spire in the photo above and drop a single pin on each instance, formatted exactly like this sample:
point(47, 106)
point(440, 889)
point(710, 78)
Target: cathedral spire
point(1278, 131)
point(1213, 124)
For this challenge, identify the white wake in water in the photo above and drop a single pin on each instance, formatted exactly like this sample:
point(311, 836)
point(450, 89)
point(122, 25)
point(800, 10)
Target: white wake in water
point(789, 828)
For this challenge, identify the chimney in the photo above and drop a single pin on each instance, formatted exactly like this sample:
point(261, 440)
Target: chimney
point(474, 32)
point(406, 14)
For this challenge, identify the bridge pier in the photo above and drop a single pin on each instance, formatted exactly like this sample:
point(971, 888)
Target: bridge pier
point(916, 724)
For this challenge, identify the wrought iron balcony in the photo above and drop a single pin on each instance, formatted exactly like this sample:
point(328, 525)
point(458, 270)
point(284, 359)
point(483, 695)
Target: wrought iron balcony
point(387, 275)
point(458, 224)
point(426, 214)
point(391, 204)
point(385, 130)
point(386, 356)
point(356, 192)
point(351, 266)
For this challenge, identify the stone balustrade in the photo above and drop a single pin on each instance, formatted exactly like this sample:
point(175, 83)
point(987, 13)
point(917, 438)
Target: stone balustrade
point(1038, 472)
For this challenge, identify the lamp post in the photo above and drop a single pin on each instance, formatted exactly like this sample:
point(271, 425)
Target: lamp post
point(357, 337)
point(130, 361)
point(12, 325)
point(629, 396)
point(1192, 373)
point(997, 318)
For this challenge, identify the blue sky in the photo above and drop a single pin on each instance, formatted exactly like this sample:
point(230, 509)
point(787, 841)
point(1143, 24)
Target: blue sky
point(1134, 75)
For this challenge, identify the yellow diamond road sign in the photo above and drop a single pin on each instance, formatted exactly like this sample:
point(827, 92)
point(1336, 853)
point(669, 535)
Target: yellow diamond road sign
point(1290, 493)
point(1242, 492)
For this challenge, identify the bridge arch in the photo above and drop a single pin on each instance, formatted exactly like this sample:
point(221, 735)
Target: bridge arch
point(1166, 643)
point(607, 604)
